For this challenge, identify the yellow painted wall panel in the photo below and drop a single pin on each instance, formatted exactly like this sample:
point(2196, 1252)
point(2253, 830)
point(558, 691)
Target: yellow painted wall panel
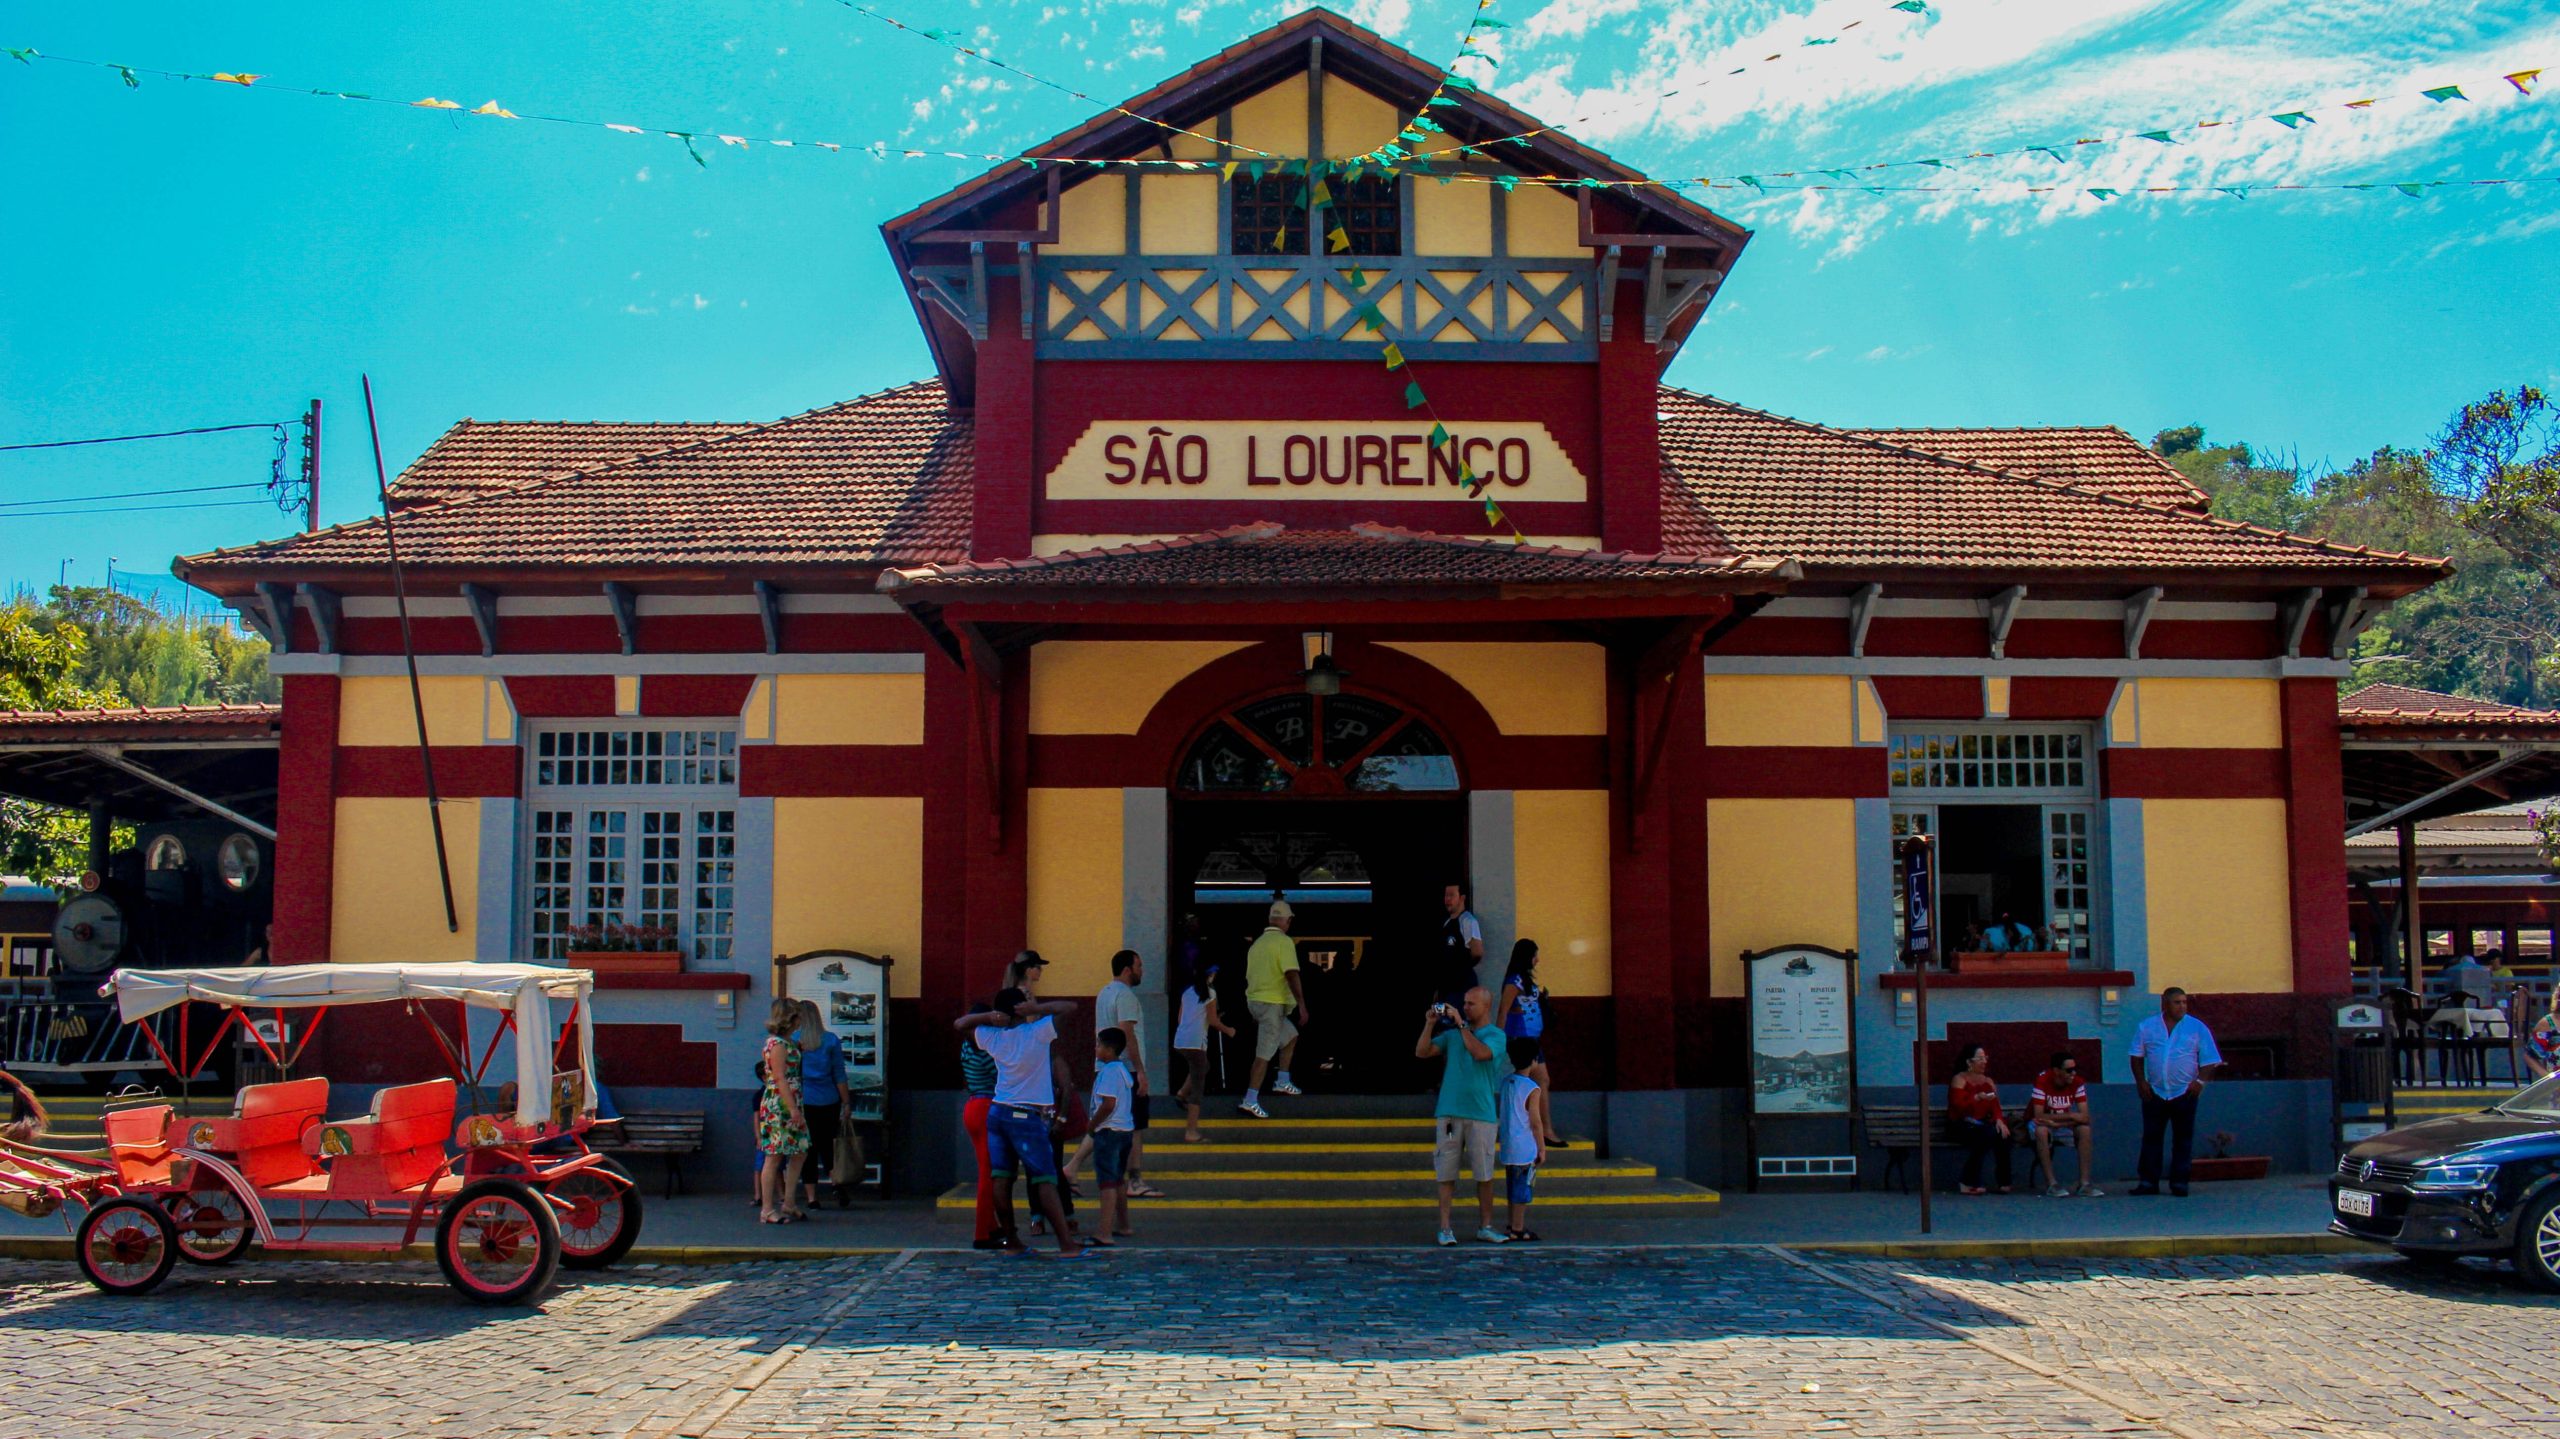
point(1543, 222)
point(1779, 872)
point(387, 906)
point(1178, 215)
point(1560, 889)
point(375, 710)
point(1273, 120)
point(1355, 121)
point(1093, 218)
point(2210, 714)
point(1453, 219)
point(1072, 909)
point(849, 874)
point(1528, 688)
point(848, 709)
point(1781, 709)
point(1108, 686)
point(2218, 894)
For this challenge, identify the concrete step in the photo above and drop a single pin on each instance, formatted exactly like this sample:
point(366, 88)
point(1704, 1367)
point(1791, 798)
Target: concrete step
point(1402, 1194)
point(1175, 1157)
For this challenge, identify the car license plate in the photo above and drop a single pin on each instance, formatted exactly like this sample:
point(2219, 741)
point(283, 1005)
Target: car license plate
point(2355, 1202)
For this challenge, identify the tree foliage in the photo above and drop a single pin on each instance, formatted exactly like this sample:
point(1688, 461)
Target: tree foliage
point(86, 648)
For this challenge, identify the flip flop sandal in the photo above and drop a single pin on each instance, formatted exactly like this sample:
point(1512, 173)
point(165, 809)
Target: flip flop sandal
point(1526, 1236)
point(1145, 1192)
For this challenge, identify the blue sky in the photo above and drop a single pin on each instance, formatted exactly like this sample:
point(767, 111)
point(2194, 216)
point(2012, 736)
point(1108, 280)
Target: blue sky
point(191, 254)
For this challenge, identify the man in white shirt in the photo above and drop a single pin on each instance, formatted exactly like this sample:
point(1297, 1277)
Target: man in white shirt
point(2173, 1057)
point(1118, 1007)
point(1025, 1101)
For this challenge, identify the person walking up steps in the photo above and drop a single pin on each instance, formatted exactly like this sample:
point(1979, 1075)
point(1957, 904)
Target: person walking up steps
point(1473, 1059)
point(1277, 999)
point(1191, 1042)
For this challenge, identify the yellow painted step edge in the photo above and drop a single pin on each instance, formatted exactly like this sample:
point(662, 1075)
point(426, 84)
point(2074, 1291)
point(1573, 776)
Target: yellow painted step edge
point(1419, 1176)
point(1399, 1202)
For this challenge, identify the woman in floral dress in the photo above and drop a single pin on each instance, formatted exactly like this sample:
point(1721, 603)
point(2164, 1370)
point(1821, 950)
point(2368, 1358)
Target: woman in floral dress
point(782, 1127)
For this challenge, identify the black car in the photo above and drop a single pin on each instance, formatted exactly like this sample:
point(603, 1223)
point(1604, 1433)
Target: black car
point(2485, 1183)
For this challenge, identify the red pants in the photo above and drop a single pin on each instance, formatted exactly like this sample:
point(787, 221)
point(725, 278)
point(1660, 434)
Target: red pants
point(973, 1118)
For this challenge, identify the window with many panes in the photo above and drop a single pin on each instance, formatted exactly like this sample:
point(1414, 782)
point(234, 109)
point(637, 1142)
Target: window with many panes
point(633, 825)
point(2013, 811)
point(1267, 216)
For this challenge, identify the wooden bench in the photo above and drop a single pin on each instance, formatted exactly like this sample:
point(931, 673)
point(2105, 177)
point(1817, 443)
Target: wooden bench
point(667, 1132)
point(1895, 1129)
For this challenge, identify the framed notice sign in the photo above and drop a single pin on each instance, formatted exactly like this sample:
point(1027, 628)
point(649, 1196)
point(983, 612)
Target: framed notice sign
point(852, 994)
point(1802, 1061)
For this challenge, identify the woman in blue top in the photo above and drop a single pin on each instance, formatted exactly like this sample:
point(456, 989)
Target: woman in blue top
point(1522, 1013)
point(822, 1096)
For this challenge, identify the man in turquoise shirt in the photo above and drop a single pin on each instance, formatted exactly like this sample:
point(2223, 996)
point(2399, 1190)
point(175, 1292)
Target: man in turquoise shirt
point(1472, 1056)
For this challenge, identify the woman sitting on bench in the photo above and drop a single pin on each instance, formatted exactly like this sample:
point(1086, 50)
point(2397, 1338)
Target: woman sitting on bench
point(1976, 1120)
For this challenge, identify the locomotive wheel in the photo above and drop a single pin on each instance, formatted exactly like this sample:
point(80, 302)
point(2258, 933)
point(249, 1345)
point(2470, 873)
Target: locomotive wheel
point(498, 1243)
point(212, 1226)
point(603, 1219)
point(127, 1246)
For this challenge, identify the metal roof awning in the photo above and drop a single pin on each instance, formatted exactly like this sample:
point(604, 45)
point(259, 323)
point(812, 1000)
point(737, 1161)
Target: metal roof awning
point(2411, 755)
point(147, 764)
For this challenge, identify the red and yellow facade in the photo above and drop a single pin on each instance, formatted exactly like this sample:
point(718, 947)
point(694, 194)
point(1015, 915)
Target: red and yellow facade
point(975, 665)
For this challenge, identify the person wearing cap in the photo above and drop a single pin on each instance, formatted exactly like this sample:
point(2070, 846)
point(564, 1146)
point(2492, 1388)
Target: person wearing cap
point(1277, 999)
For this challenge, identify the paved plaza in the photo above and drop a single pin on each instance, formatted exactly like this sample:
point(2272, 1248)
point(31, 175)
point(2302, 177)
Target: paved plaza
point(1732, 1341)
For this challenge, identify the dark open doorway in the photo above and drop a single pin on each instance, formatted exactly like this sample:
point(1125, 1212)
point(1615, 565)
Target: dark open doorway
point(1364, 876)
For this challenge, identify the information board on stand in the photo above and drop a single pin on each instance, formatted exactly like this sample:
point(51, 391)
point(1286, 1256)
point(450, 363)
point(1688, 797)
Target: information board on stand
point(1804, 1061)
point(851, 991)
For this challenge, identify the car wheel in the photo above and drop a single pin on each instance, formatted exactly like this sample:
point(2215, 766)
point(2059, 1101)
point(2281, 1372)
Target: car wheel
point(498, 1243)
point(127, 1245)
point(2538, 1242)
point(603, 1218)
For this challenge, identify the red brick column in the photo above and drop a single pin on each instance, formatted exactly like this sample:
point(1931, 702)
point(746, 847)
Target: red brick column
point(306, 820)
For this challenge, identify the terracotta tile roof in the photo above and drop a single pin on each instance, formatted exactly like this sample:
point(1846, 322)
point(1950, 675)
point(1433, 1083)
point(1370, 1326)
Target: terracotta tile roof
point(1271, 556)
point(2407, 704)
point(478, 455)
point(141, 724)
point(1744, 481)
point(2098, 457)
point(879, 479)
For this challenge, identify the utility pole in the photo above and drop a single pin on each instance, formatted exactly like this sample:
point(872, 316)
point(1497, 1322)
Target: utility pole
point(311, 468)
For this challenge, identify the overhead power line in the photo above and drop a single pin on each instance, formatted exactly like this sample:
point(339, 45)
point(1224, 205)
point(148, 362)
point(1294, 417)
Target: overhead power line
point(129, 495)
point(131, 509)
point(154, 435)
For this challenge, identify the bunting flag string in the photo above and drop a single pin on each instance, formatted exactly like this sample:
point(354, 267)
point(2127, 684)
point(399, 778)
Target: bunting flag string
point(1484, 148)
point(2517, 83)
point(1319, 197)
point(692, 140)
point(954, 42)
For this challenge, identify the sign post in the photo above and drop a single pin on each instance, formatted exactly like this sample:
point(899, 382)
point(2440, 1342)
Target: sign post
point(1920, 951)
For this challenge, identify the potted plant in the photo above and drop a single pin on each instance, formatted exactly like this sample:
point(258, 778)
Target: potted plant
point(2223, 1164)
point(625, 949)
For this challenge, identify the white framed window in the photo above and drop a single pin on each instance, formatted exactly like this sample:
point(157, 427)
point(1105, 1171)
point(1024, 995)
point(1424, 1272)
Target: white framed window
point(2014, 811)
point(632, 824)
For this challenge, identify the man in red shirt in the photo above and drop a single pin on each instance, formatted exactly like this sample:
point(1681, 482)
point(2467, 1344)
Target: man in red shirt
point(2058, 1113)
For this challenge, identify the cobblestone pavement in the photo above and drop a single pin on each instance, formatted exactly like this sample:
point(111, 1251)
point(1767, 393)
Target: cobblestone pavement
point(1575, 1342)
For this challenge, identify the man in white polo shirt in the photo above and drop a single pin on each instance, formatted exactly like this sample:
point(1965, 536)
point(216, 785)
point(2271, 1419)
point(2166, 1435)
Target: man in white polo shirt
point(2173, 1056)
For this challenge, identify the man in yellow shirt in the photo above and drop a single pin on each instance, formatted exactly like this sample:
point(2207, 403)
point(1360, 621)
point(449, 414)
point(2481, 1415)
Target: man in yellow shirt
point(1277, 999)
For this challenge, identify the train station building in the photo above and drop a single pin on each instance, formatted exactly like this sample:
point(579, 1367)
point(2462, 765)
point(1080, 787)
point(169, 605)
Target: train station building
point(1157, 596)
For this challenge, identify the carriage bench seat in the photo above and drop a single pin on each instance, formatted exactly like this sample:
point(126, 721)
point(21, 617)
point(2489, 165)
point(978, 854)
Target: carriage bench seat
point(263, 1134)
point(397, 1147)
point(668, 1132)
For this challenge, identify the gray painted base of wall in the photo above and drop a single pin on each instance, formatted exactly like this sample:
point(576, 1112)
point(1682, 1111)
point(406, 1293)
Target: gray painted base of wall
point(1702, 1135)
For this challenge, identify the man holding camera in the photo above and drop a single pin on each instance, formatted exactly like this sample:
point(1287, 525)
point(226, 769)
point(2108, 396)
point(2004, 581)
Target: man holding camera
point(1472, 1050)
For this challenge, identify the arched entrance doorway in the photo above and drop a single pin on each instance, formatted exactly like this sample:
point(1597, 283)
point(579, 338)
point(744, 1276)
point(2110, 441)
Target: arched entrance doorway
point(1350, 806)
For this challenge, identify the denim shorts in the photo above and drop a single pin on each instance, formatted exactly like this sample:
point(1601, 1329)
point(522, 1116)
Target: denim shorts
point(1018, 1142)
point(1111, 1156)
point(1520, 1183)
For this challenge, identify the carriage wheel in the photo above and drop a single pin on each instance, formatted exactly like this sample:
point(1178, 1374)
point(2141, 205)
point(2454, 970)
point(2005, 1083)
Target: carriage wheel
point(127, 1246)
point(498, 1243)
point(602, 1221)
point(212, 1225)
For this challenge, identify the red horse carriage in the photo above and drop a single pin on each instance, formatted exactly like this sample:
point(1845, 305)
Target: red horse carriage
point(516, 1196)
